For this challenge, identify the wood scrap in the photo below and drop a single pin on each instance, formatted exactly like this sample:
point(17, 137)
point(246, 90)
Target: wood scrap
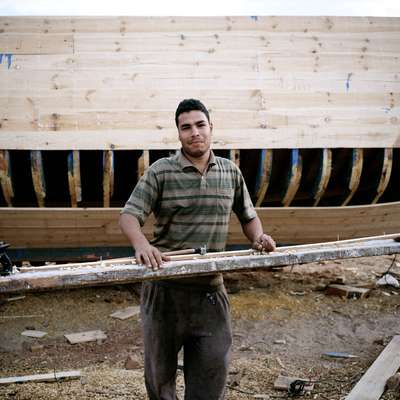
point(372, 384)
point(349, 292)
point(51, 377)
point(126, 313)
point(88, 336)
point(34, 333)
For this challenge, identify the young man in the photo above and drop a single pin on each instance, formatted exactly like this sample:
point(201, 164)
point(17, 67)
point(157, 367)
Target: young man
point(192, 195)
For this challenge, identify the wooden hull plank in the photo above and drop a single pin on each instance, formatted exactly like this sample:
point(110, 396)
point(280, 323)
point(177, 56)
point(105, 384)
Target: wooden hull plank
point(68, 227)
point(87, 276)
point(5, 177)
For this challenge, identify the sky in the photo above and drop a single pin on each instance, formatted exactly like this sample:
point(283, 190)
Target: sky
point(383, 8)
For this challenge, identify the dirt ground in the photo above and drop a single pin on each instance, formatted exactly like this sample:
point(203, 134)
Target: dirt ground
point(283, 322)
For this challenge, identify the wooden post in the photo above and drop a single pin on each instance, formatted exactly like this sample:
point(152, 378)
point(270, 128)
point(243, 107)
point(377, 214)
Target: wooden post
point(108, 176)
point(355, 175)
point(294, 178)
point(74, 177)
point(323, 176)
point(264, 175)
point(39, 183)
point(143, 163)
point(234, 155)
point(385, 175)
point(5, 177)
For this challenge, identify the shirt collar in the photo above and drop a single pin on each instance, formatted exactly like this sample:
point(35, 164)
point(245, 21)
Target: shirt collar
point(185, 163)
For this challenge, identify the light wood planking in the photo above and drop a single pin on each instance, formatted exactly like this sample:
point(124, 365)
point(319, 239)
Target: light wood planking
point(67, 227)
point(264, 175)
point(385, 175)
point(39, 183)
point(108, 177)
point(323, 175)
point(294, 178)
point(74, 178)
point(6, 178)
point(355, 174)
point(372, 384)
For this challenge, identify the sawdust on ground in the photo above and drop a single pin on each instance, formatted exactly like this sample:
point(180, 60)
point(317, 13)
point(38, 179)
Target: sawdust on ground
point(282, 321)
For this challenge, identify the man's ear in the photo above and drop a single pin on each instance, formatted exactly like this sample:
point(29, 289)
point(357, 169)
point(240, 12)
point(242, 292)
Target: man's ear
point(211, 127)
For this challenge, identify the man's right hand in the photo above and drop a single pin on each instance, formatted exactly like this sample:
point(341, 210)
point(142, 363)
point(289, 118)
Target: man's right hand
point(150, 256)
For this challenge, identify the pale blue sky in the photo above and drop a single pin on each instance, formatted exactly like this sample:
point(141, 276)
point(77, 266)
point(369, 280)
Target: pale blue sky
point(390, 8)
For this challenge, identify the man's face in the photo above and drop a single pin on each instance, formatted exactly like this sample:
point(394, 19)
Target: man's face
point(194, 133)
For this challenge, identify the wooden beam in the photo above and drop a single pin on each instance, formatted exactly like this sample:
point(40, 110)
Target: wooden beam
point(50, 377)
point(323, 176)
point(294, 178)
point(5, 177)
point(110, 274)
point(74, 178)
point(234, 156)
point(355, 174)
point(80, 227)
point(39, 183)
point(385, 175)
point(143, 163)
point(264, 175)
point(108, 176)
point(372, 385)
point(125, 139)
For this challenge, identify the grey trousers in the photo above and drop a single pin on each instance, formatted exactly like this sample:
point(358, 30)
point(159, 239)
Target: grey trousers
point(176, 316)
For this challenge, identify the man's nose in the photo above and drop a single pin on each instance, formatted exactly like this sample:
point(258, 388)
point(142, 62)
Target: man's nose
point(195, 130)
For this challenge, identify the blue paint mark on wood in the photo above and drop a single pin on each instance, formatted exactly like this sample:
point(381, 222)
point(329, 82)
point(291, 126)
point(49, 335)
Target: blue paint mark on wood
point(9, 59)
point(254, 17)
point(260, 170)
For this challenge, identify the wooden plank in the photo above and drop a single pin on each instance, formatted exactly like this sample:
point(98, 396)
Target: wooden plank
point(68, 227)
point(202, 266)
point(126, 313)
point(294, 178)
point(355, 174)
point(372, 384)
point(74, 178)
point(323, 176)
point(264, 175)
point(5, 177)
point(39, 183)
point(50, 377)
point(143, 163)
point(120, 139)
point(83, 337)
point(385, 175)
point(34, 333)
point(108, 177)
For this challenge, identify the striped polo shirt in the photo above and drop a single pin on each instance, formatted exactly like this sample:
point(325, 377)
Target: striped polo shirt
point(191, 209)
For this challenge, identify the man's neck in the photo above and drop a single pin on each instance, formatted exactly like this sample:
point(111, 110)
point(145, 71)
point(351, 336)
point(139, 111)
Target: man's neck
point(201, 162)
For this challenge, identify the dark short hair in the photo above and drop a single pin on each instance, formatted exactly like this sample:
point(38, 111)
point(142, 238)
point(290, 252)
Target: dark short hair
point(188, 105)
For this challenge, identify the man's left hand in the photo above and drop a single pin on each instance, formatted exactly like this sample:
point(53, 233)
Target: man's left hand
point(264, 243)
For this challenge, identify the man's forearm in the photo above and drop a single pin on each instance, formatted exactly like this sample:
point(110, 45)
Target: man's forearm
point(131, 228)
point(253, 229)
